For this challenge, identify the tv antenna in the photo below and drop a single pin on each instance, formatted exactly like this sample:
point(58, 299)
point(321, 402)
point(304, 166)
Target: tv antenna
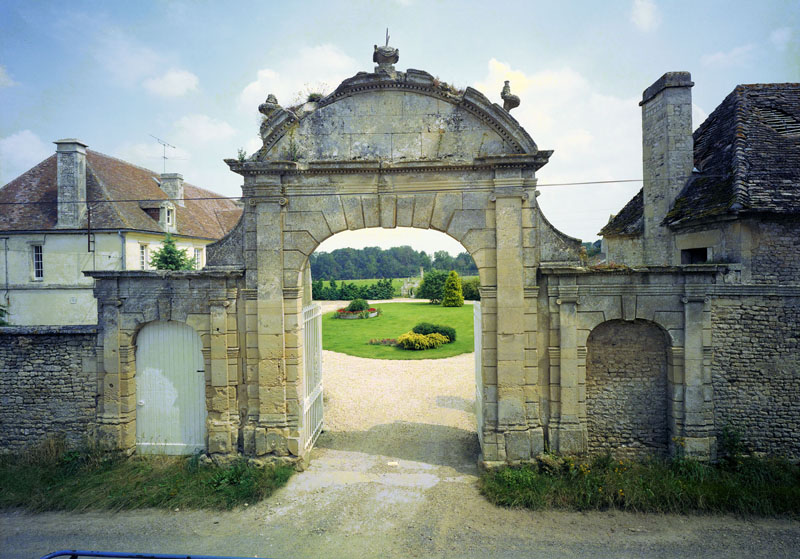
point(164, 145)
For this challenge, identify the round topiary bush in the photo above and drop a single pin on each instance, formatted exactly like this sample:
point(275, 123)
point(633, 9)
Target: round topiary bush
point(357, 305)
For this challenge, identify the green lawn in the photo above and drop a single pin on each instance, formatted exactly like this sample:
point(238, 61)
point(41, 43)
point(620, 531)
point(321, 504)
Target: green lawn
point(352, 336)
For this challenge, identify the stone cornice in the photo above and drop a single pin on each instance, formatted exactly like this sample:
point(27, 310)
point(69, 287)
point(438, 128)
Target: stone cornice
point(533, 161)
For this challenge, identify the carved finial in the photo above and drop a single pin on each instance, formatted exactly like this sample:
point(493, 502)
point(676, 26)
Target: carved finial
point(510, 101)
point(269, 106)
point(385, 57)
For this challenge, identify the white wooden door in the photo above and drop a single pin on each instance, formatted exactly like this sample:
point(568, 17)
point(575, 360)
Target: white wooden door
point(170, 390)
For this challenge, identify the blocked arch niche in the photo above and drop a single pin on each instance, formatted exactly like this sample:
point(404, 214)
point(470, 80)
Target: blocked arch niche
point(627, 389)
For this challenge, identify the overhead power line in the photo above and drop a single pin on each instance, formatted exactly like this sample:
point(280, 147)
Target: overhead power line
point(351, 193)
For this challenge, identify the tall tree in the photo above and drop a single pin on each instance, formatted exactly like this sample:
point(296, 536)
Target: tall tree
point(453, 297)
point(432, 286)
point(169, 257)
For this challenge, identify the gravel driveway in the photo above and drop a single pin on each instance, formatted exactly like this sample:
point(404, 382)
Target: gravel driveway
point(392, 476)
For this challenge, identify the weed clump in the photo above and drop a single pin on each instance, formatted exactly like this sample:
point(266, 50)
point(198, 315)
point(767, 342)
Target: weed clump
point(51, 476)
point(758, 486)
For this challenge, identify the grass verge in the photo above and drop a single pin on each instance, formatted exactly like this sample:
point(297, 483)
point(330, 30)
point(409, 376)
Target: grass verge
point(743, 485)
point(352, 336)
point(50, 477)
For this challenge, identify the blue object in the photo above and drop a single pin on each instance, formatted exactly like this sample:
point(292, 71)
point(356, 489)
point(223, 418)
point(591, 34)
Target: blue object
point(75, 553)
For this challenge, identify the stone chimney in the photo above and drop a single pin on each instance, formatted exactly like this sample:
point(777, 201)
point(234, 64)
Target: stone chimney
point(667, 157)
point(172, 185)
point(71, 181)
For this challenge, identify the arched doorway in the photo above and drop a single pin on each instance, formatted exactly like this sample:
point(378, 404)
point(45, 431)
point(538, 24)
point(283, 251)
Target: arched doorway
point(170, 390)
point(393, 149)
point(626, 389)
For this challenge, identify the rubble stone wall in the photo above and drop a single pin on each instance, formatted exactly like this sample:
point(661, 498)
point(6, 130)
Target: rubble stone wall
point(626, 390)
point(776, 253)
point(756, 372)
point(48, 385)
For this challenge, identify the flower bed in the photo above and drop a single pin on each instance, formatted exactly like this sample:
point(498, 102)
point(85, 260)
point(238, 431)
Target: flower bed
point(353, 315)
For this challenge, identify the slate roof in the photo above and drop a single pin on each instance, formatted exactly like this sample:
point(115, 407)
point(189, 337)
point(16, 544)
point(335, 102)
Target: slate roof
point(630, 219)
point(747, 156)
point(108, 178)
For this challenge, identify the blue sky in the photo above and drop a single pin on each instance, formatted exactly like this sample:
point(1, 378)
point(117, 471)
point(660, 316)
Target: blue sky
point(193, 73)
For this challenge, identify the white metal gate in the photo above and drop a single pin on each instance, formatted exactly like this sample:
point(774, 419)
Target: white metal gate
point(477, 333)
point(170, 390)
point(312, 375)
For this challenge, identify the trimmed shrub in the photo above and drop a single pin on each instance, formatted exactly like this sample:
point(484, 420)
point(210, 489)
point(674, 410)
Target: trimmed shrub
point(453, 296)
point(412, 340)
point(426, 328)
point(357, 305)
point(471, 289)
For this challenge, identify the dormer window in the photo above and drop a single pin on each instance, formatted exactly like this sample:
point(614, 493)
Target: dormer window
point(166, 216)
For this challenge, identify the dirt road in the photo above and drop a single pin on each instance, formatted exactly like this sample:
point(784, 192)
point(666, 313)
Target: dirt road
point(394, 476)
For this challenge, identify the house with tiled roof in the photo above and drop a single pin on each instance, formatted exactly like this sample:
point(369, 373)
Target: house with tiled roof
point(729, 193)
point(80, 210)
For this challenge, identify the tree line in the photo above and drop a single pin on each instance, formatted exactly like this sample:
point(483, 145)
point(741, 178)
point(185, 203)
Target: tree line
point(395, 262)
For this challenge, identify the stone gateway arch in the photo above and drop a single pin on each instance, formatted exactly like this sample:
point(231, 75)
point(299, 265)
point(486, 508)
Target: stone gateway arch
point(400, 149)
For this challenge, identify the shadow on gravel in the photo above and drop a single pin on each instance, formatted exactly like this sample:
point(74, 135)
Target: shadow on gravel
point(419, 442)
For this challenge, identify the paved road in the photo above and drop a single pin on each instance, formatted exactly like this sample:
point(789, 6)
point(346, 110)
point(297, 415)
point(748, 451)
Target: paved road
point(394, 476)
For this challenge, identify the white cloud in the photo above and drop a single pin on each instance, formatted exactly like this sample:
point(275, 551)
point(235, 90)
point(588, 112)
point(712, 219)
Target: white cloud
point(596, 137)
point(781, 37)
point(5, 79)
point(173, 83)
point(126, 61)
point(737, 56)
point(202, 129)
point(645, 15)
point(698, 116)
point(289, 82)
point(19, 152)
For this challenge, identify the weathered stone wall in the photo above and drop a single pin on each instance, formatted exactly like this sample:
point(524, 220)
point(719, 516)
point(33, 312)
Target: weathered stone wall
point(626, 390)
point(776, 252)
point(756, 371)
point(624, 250)
point(48, 384)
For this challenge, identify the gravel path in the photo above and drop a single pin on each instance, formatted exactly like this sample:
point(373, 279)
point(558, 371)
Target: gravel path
point(394, 476)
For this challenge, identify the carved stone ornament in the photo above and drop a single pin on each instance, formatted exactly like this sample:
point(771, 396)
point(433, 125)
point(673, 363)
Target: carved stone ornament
point(269, 106)
point(510, 101)
point(385, 55)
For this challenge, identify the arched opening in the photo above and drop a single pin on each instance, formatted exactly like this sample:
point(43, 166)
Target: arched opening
point(626, 389)
point(404, 408)
point(170, 390)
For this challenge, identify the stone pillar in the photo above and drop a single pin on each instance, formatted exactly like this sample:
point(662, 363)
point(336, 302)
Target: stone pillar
point(219, 429)
point(512, 337)
point(270, 327)
point(293, 351)
point(667, 157)
point(698, 420)
point(570, 434)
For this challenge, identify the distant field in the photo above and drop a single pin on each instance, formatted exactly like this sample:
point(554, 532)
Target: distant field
point(397, 283)
point(352, 336)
